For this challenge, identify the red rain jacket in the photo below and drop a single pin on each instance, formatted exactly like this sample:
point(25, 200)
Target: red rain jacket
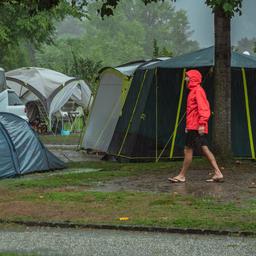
point(198, 108)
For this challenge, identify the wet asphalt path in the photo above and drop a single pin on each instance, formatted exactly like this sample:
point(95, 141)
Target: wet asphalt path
point(121, 243)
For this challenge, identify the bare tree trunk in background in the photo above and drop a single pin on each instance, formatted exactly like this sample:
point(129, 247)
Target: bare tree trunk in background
point(222, 85)
point(32, 54)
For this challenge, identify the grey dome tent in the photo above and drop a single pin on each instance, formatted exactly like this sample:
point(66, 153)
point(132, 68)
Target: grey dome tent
point(21, 150)
point(114, 84)
point(152, 123)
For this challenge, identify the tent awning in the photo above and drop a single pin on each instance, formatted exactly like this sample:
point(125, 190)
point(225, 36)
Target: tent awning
point(45, 84)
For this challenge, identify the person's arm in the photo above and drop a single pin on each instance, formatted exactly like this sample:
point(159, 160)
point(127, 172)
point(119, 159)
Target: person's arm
point(203, 109)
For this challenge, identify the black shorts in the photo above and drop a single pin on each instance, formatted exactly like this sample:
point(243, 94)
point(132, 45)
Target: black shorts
point(195, 141)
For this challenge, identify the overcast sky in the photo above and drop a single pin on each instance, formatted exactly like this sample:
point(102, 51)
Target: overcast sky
point(201, 20)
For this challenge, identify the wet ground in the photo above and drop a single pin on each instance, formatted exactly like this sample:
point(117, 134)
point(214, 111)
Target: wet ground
point(237, 185)
point(70, 153)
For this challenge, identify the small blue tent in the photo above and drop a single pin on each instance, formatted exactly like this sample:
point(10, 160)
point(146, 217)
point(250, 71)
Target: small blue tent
point(20, 149)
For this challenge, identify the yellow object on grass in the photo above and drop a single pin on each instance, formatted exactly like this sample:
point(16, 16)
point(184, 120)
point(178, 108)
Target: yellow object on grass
point(124, 218)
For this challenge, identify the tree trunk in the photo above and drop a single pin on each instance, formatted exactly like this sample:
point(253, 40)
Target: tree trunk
point(31, 52)
point(222, 85)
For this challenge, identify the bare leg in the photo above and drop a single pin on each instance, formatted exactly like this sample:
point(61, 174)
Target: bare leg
point(210, 157)
point(188, 156)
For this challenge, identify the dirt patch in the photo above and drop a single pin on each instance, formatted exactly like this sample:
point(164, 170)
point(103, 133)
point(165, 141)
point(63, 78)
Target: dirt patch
point(238, 184)
point(43, 211)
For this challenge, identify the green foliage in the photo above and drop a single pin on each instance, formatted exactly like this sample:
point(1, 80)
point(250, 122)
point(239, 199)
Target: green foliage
point(36, 6)
point(161, 21)
point(157, 52)
point(86, 69)
point(126, 36)
point(15, 56)
point(155, 48)
point(246, 44)
point(230, 7)
point(166, 53)
point(29, 21)
point(66, 56)
point(58, 56)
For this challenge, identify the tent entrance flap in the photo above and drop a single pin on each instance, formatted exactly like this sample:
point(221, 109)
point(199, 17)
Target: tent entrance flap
point(105, 112)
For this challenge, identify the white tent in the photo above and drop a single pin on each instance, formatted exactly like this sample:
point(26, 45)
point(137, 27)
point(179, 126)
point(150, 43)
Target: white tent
point(52, 88)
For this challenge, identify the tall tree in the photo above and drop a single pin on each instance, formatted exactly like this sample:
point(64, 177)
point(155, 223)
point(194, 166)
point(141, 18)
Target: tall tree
point(223, 11)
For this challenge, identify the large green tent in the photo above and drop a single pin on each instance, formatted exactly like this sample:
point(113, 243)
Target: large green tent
point(114, 85)
point(152, 123)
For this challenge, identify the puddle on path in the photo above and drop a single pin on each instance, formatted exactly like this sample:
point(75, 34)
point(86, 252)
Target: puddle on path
point(237, 185)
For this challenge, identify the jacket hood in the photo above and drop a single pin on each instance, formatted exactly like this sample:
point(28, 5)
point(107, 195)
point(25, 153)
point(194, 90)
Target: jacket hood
point(195, 78)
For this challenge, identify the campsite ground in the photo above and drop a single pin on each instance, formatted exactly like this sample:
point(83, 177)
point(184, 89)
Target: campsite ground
point(103, 192)
point(72, 139)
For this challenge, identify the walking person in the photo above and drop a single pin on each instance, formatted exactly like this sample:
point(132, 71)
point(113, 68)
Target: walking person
point(198, 114)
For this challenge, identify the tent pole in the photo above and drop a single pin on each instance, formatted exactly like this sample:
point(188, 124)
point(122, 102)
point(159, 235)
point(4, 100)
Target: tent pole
point(156, 116)
point(178, 113)
point(50, 123)
point(248, 113)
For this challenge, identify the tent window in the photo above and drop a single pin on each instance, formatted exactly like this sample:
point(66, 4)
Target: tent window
point(13, 99)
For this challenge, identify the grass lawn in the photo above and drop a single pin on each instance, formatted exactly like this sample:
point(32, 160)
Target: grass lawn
point(68, 196)
point(72, 139)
